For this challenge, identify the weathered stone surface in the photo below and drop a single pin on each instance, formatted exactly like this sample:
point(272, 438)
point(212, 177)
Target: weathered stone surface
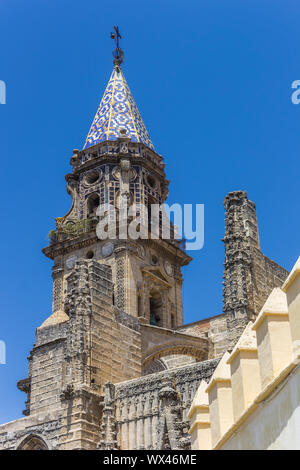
point(113, 366)
point(249, 276)
point(160, 403)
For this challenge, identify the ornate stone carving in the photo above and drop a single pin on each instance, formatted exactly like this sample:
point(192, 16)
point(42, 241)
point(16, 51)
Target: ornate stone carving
point(68, 393)
point(120, 278)
point(108, 426)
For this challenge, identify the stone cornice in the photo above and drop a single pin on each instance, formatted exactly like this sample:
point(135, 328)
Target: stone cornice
point(89, 238)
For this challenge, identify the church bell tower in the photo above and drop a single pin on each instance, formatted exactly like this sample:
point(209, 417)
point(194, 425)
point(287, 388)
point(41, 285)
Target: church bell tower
point(118, 162)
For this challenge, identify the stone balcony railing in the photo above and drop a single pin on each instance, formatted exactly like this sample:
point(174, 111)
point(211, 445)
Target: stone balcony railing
point(72, 230)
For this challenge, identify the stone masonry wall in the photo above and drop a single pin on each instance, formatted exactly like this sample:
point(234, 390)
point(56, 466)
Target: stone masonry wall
point(215, 329)
point(71, 361)
point(115, 335)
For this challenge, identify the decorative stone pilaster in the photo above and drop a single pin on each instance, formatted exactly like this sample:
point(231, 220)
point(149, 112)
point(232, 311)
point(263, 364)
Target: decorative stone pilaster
point(124, 438)
point(78, 347)
point(57, 276)
point(147, 420)
point(140, 422)
point(108, 427)
point(132, 424)
point(172, 429)
point(120, 277)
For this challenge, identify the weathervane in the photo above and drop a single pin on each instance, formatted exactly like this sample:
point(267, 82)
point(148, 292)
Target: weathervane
point(117, 52)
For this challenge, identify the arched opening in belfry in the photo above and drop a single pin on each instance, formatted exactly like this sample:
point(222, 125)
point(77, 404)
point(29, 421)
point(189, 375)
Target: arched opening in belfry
point(172, 320)
point(92, 205)
point(156, 305)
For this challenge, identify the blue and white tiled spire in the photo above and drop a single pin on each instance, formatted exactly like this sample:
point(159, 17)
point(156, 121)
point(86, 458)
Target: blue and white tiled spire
point(117, 110)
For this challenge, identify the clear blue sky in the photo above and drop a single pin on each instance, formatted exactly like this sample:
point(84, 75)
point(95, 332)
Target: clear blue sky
point(212, 80)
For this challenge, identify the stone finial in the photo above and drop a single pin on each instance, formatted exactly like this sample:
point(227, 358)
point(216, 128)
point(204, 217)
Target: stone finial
point(109, 393)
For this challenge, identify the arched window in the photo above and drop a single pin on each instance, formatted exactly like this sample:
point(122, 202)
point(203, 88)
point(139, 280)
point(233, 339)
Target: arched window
point(156, 305)
point(92, 204)
point(33, 442)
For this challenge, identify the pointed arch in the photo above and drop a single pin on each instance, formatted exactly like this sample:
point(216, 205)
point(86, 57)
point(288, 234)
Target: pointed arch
point(32, 442)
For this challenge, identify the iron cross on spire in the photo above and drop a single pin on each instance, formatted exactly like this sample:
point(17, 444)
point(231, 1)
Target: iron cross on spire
point(117, 52)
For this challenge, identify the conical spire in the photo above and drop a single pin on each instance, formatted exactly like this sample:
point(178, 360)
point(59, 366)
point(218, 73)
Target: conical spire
point(117, 111)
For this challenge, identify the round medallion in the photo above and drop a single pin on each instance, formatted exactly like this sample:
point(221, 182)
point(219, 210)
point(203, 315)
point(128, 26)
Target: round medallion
point(154, 258)
point(151, 181)
point(116, 172)
point(168, 268)
point(141, 251)
point(92, 177)
point(107, 249)
point(70, 262)
point(132, 174)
